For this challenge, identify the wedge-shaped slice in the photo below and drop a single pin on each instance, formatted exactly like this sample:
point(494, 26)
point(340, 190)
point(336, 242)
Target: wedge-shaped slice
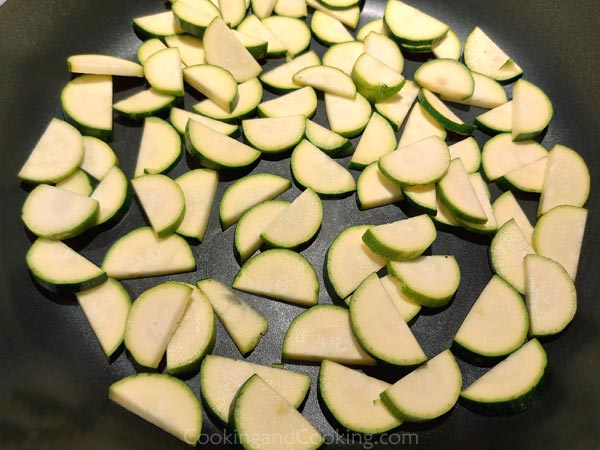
point(157, 25)
point(222, 48)
point(112, 194)
point(444, 115)
point(291, 8)
point(263, 8)
point(279, 274)
point(162, 201)
point(529, 178)
point(551, 296)
point(382, 48)
point(55, 213)
point(379, 327)
point(423, 196)
point(483, 195)
point(374, 189)
point(566, 181)
point(328, 30)
point(347, 117)
point(191, 48)
point(160, 147)
point(180, 117)
point(98, 157)
point(500, 155)
point(214, 82)
point(247, 192)
point(487, 93)
point(374, 80)
point(511, 386)
point(243, 323)
point(405, 305)
point(87, 104)
point(352, 397)
point(395, 109)
point(343, 56)
point(402, 240)
point(199, 188)
point(349, 261)
point(259, 411)
point(256, 46)
point(252, 26)
point(193, 19)
point(313, 169)
point(58, 268)
point(143, 104)
point(298, 224)
point(447, 77)
point(250, 94)
point(374, 26)
point(163, 72)
point(497, 324)
point(233, 11)
point(532, 111)
point(148, 48)
point(104, 65)
point(215, 150)
point(162, 400)
point(324, 332)
point(78, 183)
point(449, 47)
point(329, 142)
point(348, 16)
point(468, 152)
point(141, 254)
point(303, 101)
point(420, 125)
point(507, 254)
point(506, 207)
point(411, 26)
point(340, 4)
point(293, 33)
point(276, 134)
point(281, 78)
point(443, 216)
point(482, 55)
point(497, 120)
point(326, 79)
point(221, 378)
point(558, 235)
point(153, 319)
point(377, 140)
point(428, 392)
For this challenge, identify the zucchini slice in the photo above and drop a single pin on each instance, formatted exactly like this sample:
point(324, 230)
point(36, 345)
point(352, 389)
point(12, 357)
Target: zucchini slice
point(87, 102)
point(58, 268)
point(375, 80)
point(497, 120)
point(243, 323)
point(468, 152)
point(500, 155)
point(328, 30)
point(250, 95)
point(447, 77)
point(57, 154)
point(558, 235)
point(215, 150)
point(402, 240)
point(483, 195)
point(382, 48)
point(411, 26)
point(104, 65)
point(148, 48)
point(566, 180)
point(532, 111)
point(329, 142)
point(507, 254)
point(78, 183)
point(302, 101)
point(506, 207)
point(348, 16)
point(529, 178)
point(343, 56)
point(313, 169)
point(141, 254)
point(53, 213)
point(423, 162)
point(512, 385)
point(157, 25)
point(487, 93)
point(144, 104)
point(274, 135)
point(221, 378)
point(340, 4)
point(449, 47)
point(191, 48)
point(98, 157)
point(374, 26)
point(192, 19)
point(324, 332)
point(106, 308)
point(247, 192)
point(233, 11)
point(420, 125)
point(280, 79)
point(112, 194)
point(374, 189)
point(215, 83)
point(395, 109)
point(440, 112)
point(179, 119)
point(352, 397)
point(347, 117)
point(550, 294)
point(377, 140)
point(379, 327)
point(482, 55)
point(326, 79)
point(199, 188)
point(405, 305)
point(293, 33)
point(349, 261)
point(262, 8)
point(252, 26)
point(257, 47)
point(163, 72)
point(160, 147)
point(423, 196)
point(259, 411)
point(443, 216)
point(427, 392)
point(291, 8)
point(162, 400)
point(497, 323)
point(279, 274)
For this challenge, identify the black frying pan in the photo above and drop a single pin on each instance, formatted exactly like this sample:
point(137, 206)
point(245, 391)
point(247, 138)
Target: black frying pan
point(54, 376)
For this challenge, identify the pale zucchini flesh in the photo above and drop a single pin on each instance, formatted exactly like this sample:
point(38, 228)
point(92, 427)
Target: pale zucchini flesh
point(411, 26)
point(293, 33)
point(396, 108)
point(374, 189)
point(484, 56)
point(79, 183)
point(250, 94)
point(163, 72)
point(215, 82)
point(103, 65)
point(302, 101)
point(343, 56)
point(199, 188)
point(378, 139)
point(143, 104)
point(420, 125)
point(160, 147)
point(347, 117)
point(179, 119)
point(326, 79)
point(112, 194)
point(500, 155)
point(98, 157)
point(274, 135)
point(328, 30)
point(329, 142)
point(447, 77)
point(280, 79)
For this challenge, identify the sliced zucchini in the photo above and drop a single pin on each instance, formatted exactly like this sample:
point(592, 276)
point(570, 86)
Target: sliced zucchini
point(157, 25)
point(191, 48)
point(58, 268)
point(500, 155)
point(291, 8)
point(199, 188)
point(482, 55)
point(78, 183)
point(324, 332)
point(141, 254)
point(112, 194)
point(566, 180)
point(87, 102)
point(447, 77)
point(497, 323)
point(53, 213)
point(192, 19)
point(405, 305)
point(507, 254)
point(506, 207)
point(215, 83)
point(103, 65)
point(215, 150)
point(468, 152)
point(532, 111)
point(98, 157)
point(162, 400)
point(274, 135)
point(221, 378)
point(497, 120)
point(427, 392)
point(558, 235)
point(144, 104)
point(257, 47)
point(343, 56)
point(302, 101)
point(349, 261)
point(420, 125)
point(328, 30)
point(382, 48)
point(352, 398)
point(440, 112)
point(293, 33)
point(252, 26)
point(423, 197)
point(529, 178)
point(163, 72)
point(179, 119)
point(329, 142)
point(279, 274)
point(233, 11)
point(250, 95)
point(160, 147)
point(411, 26)
point(512, 385)
point(374, 26)
point(348, 16)
point(247, 192)
point(423, 162)
point(326, 79)
point(375, 80)
point(487, 93)
point(374, 189)
point(377, 140)
point(262, 8)
point(379, 327)
point(243, 323)
point(313, 169)
point(449, 47)
point(148, 48)
point(347, 117)
point(395, 109)
point(443, 216)
point(340, 4)
point(280, 79)
point(483, 195)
